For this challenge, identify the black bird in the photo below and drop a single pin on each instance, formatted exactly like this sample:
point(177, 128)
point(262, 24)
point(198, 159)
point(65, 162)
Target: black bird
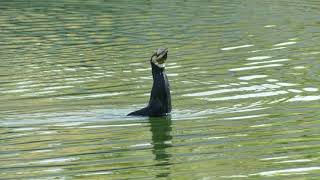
point(160, 98)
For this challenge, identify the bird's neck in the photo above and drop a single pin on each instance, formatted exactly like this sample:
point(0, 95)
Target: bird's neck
point(156, 70)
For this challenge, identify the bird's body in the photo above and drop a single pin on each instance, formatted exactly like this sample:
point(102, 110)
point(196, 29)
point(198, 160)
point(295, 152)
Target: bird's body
point(160, 98)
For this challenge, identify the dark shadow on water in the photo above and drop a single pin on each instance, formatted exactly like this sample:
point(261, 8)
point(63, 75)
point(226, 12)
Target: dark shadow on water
point(161, 140)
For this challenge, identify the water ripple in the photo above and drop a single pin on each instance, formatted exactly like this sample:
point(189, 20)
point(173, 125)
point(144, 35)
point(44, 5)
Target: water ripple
point(255, 67)
point(287, 171)
point(236, 47)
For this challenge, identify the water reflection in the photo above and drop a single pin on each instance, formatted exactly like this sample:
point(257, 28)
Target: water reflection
point(161, 140)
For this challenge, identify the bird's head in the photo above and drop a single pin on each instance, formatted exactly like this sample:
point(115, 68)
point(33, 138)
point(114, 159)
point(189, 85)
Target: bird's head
point(159, 57)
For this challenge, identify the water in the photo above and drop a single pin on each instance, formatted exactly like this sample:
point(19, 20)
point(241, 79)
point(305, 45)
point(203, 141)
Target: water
point(244, 78)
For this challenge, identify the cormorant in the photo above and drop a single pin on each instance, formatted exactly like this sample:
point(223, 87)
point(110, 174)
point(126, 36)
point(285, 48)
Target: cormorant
point(160, 98)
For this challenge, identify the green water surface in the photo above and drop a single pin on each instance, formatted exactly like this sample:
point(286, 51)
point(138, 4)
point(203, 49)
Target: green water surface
point(244, 81)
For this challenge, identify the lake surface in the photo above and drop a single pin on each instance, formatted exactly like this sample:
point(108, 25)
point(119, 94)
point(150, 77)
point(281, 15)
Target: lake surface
point(244, 77)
